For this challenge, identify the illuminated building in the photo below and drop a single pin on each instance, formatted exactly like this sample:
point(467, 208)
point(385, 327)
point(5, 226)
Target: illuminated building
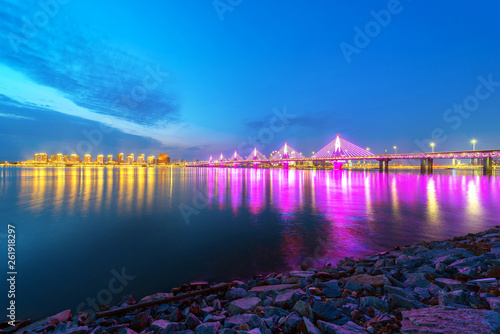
point(163, 159)
point(151, 159)
point(75, 158)
point(41, 158)
point(130, 158)
point(140, 159)
point(110, 157)
point(66, 158)
point(119, 158)
point(53, 158)
point(179, 161)
point(87, 159)
point(100, 159)
point(59, 157)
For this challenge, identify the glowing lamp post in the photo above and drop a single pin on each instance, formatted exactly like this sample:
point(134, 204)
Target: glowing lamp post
point(473, 141)
point(433, 145)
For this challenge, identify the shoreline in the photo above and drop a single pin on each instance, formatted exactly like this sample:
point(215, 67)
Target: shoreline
point(436, 286)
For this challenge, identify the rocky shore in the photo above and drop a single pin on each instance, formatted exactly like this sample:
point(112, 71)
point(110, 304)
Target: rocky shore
point(432, 287)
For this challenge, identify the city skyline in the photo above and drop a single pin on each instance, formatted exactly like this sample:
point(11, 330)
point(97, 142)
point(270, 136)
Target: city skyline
point(374, 71)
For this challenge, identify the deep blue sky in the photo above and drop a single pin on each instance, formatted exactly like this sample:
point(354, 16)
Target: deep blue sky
point(220, 73)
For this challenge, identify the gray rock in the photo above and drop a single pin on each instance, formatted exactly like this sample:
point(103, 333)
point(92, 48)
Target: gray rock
point(122, 331)
point(416, 280)
point(406, 303)
point(302, 274)
point(442, 319)
point(236, 293)
point(348, 308)
point(472, 299)
point(289, 297)
point(291, 322)
point(399, 291)
point(303, 308)
point(245, 304)
point(251, 320)
point(206, 311)
point(450, 284)
point(192, 321)
point(344, 319)
point(423, 292)
point(271, 311)
point(494, 303)
point(311, 329)
point(374, 302)
point(374, 281)
point(325, 311)
point(163, 326)
point(348, 328)
point(227, 331)
point(350, 286)
point(208, 328)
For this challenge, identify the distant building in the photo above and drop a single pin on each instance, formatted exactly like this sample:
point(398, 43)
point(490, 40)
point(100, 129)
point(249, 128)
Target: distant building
point(179, 161)
point(151, 160)
point(66, 158)
point(53, 158)
point(119, 158)
point(163, 159)
point(140, 159)
point(41, 158)
point(110, 157)
point(59, 157)
point(100, 159)
point(130, 158)
point(75, 158)
point(87, 159)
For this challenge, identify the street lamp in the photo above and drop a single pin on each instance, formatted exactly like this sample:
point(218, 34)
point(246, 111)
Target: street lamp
point(473, 141)
point(395, 149)
point(432, 145)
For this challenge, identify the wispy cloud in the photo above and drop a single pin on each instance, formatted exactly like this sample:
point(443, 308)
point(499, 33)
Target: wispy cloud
point(16, 117)
point(18, 87)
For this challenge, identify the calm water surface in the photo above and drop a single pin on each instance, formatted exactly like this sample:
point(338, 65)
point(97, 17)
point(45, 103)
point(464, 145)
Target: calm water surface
point(166, 227)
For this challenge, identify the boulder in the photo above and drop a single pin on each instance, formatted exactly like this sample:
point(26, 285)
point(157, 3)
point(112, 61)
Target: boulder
point(443, 319)
point(239, 306)
point(362, 279)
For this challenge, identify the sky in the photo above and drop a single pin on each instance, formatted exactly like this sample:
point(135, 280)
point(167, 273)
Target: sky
point(194, 78)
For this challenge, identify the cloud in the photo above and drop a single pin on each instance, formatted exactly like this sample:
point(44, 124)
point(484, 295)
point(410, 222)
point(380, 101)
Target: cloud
point(18, 87)
point(85, 67)
point(12, 116)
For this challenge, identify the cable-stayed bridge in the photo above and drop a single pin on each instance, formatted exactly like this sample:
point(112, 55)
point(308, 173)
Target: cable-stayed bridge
point(339, 151)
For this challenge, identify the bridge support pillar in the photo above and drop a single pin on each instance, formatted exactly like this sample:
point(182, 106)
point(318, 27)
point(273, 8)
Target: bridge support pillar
point(386, 169)
point(255, 164)
point(337, 165)
point(381, 166)
point(430, 165)
point(423, 166)
point(285, 165)
point(488, 166)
